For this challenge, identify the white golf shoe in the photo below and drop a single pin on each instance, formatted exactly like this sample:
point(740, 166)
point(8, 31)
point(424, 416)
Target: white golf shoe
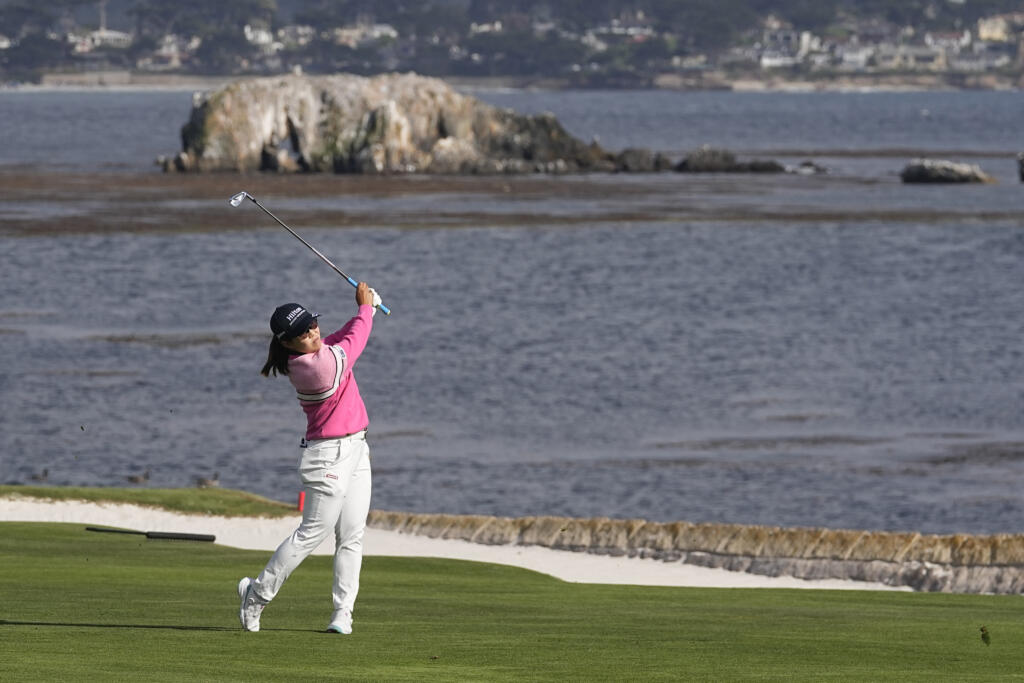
point(341, 622)
point(251, 607)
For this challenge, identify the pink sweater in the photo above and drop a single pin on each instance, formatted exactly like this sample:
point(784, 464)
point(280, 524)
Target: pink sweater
point(327, 390)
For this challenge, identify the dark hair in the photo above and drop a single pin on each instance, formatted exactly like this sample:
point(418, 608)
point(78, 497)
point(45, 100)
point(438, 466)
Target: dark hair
point(277, 359)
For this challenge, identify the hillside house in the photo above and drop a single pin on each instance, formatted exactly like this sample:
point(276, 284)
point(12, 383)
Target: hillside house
point(910, 58)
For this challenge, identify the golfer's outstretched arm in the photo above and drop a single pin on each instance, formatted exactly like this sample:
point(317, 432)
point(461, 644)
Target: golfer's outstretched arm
point(353, 335)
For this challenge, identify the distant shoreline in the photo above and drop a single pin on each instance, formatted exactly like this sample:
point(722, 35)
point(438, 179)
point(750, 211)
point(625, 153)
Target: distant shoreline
point(680, 82)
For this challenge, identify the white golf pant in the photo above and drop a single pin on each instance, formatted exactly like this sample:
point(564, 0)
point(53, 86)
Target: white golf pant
point(336, 478)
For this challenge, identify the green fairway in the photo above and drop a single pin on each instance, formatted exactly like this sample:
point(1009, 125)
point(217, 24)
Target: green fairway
point(78, 605)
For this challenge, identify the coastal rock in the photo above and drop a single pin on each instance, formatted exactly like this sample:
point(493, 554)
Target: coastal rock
point(711, 160)
point(636, 160)
point(180, 162)
point(941, 171)
point(808, 167)
point(392, 123)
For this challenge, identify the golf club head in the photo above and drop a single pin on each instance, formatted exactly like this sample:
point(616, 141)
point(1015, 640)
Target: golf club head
point(237, 199)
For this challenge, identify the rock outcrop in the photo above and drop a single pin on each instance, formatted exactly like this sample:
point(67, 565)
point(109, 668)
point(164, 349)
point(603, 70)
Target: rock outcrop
point(712, 160)
point(637, 160)
point(958, 563)
point(940, 171)
point(394, 123)
point(399, 123)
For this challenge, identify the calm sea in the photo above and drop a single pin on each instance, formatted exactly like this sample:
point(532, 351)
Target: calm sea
point(839, 350)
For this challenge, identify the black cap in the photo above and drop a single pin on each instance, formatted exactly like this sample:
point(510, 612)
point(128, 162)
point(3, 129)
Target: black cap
point(291, 320)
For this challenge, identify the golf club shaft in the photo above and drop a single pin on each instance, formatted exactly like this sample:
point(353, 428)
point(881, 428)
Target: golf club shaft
point(310, 246)
point(384, 309)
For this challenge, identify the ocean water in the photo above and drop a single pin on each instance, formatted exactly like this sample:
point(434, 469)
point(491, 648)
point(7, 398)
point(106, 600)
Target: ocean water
point(838, 350)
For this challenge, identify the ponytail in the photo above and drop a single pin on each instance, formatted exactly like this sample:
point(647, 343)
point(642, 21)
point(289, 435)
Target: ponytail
point(277, 359)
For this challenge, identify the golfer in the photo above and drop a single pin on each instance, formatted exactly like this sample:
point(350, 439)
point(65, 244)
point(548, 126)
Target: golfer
point(334, 462)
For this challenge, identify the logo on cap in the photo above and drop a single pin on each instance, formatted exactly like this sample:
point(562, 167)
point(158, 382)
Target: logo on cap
point(290, 320)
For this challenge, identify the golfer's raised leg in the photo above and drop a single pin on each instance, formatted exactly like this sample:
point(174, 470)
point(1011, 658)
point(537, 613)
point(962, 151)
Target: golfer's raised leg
point(319, 514)
point(326, 470)
point(318, 517)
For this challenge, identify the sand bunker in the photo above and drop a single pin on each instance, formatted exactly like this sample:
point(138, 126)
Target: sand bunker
point(265, 534)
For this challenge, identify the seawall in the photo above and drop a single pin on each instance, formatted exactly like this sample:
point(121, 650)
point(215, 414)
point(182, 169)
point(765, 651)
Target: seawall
point(956, 563)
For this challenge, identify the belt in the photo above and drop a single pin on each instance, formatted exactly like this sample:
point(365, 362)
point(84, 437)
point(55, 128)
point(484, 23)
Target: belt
point(306, 443)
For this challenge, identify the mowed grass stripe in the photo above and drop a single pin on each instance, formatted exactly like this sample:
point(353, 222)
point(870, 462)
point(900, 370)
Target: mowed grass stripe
point(86, 606)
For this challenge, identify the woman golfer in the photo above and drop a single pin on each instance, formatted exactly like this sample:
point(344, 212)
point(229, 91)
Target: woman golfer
point(335, 461)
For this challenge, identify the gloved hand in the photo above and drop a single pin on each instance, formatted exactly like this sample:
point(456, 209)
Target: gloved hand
point(376, 300)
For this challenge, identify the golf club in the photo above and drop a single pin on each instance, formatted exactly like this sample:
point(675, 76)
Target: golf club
point(158, 535)
point(237, 200)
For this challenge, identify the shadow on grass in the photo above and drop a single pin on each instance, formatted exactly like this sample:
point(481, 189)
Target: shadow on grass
point(172, 627)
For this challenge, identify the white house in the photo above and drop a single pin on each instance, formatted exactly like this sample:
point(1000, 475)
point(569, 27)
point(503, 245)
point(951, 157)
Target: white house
point(108, 38)
point(951, 42)
point(621, 32)
point(854, 57)
point(296, 35)
point(591, 40)
point(257, 35)
point(777, 59)
point(475, 28)
point(354, 36)
point(910, 58)
point(172, 50)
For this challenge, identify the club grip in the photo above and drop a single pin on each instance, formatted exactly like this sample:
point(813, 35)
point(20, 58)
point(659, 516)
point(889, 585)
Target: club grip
point(382, 308)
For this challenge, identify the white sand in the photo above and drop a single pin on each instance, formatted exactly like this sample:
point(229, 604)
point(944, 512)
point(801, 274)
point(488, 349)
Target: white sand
point(266, 534)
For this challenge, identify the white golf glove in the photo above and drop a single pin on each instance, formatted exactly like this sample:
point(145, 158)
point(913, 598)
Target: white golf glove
point(376, 300)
